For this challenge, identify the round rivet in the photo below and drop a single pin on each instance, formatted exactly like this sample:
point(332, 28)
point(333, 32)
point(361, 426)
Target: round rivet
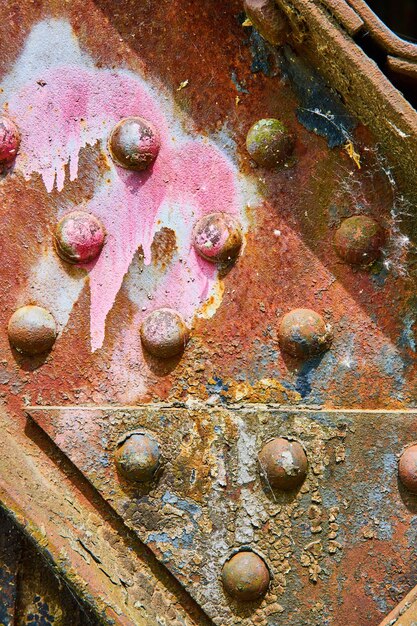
point(245, 576)
point(79, 237)
point(217, 238)
point(134, 143)
point(303, 333)
point(359, 240)
point(407, 468)
point(9, 141)
point(283, 463)
point(269, 143)
point(268, 20)
point(138, 457)
point(32, 330)
point(164, 333)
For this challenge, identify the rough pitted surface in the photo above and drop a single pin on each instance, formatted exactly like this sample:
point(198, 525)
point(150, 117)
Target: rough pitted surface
point(343, 543)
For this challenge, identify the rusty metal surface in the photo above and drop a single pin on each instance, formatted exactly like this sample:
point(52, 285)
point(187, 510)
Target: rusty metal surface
point(344, 542)
point(347, 534)
point(31, 594)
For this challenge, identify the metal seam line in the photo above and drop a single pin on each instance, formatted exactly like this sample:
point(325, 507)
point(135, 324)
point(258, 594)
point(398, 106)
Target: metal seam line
point(201, 405)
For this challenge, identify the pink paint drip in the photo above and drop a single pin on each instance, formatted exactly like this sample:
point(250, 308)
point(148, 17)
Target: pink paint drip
point(79, 106)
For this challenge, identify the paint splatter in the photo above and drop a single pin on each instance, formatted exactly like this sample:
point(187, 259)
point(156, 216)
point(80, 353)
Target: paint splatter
point(62, 104)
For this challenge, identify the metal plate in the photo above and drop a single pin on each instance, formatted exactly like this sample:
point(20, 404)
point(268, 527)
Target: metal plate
point(347, 536)
point(344, 543)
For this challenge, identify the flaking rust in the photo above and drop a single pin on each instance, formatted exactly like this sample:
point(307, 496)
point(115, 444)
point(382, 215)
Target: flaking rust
point(211, 300)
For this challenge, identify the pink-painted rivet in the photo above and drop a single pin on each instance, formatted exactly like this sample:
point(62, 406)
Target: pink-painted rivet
point(164, 333)
point(134, 143)
point(32, 330)
point(9, 141)
point(79, 237)
point(217, 238)
point(303, 333)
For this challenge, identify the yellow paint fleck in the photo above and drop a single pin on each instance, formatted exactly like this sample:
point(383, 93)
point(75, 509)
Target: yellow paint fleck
point(355, 156)
point(183, 84)
point(247, 22)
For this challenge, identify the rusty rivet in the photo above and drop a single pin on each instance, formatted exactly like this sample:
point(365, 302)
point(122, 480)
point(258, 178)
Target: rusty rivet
point(79, 237)
point(32, 330)
point(138, 457)
point(359, 240)
point(407, 468)
point(303, 333)
point(217, 238)
point(283, 463)
point(245, 576)
point(134, 143)
point(9, 141)
point(269, 143)
point(164, 333)
point(267, 19)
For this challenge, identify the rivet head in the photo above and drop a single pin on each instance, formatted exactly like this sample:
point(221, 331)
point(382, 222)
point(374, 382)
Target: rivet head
point(79, 237)
point(267, 19)
point(164, 333)
point(269, 143)
point(283, 463)
point(407, 468)
point(138, 457)
point(217, 238)
point(303, 333)
point(359, 240)
point(134, 143)
point(9, 141)
point(245, 576)
point(32, 330)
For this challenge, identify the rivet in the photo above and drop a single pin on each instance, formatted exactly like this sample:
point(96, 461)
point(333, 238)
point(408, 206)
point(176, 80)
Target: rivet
point(138, 457)
point(32, 330)
point(217, 238)
point(164, 333)
point(269, 143)
point(359, 240)
point(134, 143)
point(79, 237)
point(407, 468)
point(245, 576)
point(303, 333)
point(283, 463)
point(268, 20)
point(9, 141)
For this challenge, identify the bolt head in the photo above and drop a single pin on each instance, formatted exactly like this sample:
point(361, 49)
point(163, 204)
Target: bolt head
point(269, 143)
point(268, 20)
point(359, 240)
point(303, 333)
point(79, 237)
point(283, 463)
point(138, 457)
point(134, 143)
point(164, 333)
point(245, 576)
point(9, 141)
point(32, 330)
point(407, 468)
point(217, 238)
